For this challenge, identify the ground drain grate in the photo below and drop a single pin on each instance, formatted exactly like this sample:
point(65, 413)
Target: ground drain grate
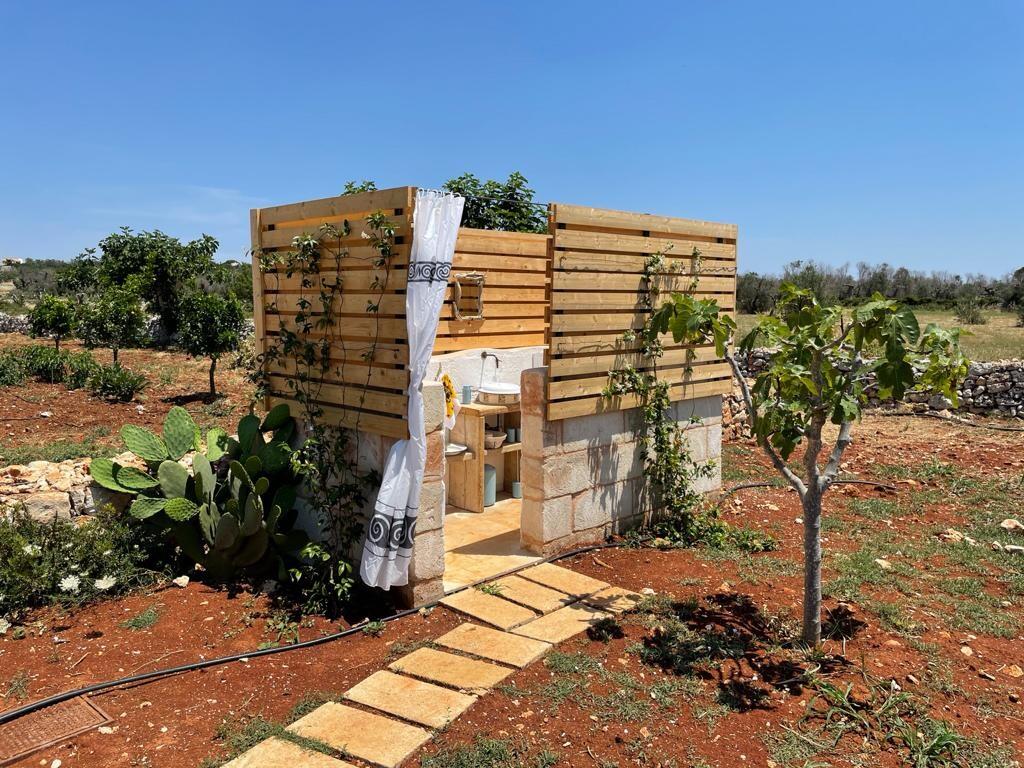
point(47, 727)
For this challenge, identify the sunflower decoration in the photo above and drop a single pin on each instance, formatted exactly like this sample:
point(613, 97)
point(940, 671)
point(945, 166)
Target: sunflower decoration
point(449, 400)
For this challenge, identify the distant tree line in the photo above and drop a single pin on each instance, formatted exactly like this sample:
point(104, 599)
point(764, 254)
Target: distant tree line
point(757, 292)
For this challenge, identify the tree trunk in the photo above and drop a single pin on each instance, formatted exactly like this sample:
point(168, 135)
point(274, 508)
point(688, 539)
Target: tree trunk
point(213, 385)
point(812, 567)
point(114, 350)
point(56, 342)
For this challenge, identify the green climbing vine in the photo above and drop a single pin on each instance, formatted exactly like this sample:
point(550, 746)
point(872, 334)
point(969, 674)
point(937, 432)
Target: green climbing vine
point(311, 350)
point(675, 510)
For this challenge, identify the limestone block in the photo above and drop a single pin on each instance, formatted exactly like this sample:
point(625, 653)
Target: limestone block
point(427, 556)
point(435, 465)
point(420, 593)
point(431, 511)
point(545, 520)
point(714, 440)
point(566, 473)
point(541, 436)
point(433, 406)
point(582, 432)
point(47, 506)
point(602, 504)
point(533, 383)
point(696, 437)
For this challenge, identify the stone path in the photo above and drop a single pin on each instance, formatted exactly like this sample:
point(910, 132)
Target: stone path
point(394, 712)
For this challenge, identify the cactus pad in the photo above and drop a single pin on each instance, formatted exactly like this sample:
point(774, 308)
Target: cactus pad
point(102, 471)
point(143, 443)
point(181, 509)
point(133, 479)
point(181, 435)
point(173, 479)
point(144, 507)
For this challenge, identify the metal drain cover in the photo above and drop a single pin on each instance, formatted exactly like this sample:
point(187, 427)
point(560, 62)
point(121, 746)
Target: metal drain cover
point(47, 727)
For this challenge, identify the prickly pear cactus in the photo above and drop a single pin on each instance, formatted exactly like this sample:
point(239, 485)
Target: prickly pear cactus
point(144, 444)
point(181, 435)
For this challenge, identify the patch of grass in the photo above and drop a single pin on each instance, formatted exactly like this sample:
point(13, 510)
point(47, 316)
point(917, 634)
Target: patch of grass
point(738, 463)
point(55, 451)
point(491, 588)
point(143, 620)
point(17, 686)
point(874, 509)
point(571, 663)
point(486, 752)
point(374, 628)
point(710, 714)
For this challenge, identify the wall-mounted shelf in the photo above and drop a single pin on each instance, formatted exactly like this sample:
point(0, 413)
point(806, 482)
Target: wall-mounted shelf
point(466, 470)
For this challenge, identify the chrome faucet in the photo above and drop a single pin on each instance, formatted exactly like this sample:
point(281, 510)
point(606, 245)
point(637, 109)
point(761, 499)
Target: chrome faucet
point(484, 355)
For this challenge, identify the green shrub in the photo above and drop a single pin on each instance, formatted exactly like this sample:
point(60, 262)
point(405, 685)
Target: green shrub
point(53, 316)
point(1020, 315)
point(209, 326)
point(79, 368)
point(115, 320)
point(968, 311)
point(115, 382)
point(12, 369)
point(70, 564)
point(44, 363)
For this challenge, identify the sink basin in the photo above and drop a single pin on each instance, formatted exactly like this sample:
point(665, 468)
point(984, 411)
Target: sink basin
point(497, 393)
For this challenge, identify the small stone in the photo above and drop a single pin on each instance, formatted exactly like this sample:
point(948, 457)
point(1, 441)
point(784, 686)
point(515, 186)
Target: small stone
point(951, 535)
point(647, 591)
point(1009, 524)
point(986, 676)
point(966, 650)
point(1014, 698)
point(799, 521)
point(1014, 671)
point(49, 506)
point(885, 565)
point(913, 680)
point(1013, 549)
point(180, 581)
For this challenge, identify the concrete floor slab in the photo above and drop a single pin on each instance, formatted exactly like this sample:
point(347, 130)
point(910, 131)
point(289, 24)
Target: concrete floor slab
point(481, 545)
point(376, 739)
point(409, 699)
point(492, 644)
point(489, 609)
point(531, 594)
point(614, 599)
point(562, 624)
point(452, 670)
point(562, 579)
point(281, 753)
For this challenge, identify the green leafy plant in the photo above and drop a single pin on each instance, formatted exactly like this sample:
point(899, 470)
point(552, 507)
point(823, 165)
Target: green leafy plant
point(53, 316)
point(210, 326)
point(114, 320)
point(12, 369)
point(818, 373)
point(235, 510)
point(115, 382)
point(969, 311)
point(506, 206)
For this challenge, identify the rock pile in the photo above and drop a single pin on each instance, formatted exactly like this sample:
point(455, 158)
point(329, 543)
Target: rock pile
point(51, 491)
point(13, 323)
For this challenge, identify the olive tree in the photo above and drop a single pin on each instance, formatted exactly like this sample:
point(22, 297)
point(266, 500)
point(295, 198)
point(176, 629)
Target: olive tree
point(52, 316)
point(209, 326)
point(820, 366)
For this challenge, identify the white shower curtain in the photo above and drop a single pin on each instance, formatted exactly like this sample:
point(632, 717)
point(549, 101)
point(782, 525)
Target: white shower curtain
point(389, 536)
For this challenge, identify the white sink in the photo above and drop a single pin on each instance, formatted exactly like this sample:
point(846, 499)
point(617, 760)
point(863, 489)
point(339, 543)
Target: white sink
point(498, 388)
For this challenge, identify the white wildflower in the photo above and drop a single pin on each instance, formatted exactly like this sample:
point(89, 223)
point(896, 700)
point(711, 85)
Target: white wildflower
point(70, 584)
point(106, 552)
point(105, 583)
point(4, 626)
point(31, 549)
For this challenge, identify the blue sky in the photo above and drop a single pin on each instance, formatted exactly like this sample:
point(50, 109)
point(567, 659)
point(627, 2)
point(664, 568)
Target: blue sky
point(871, 131)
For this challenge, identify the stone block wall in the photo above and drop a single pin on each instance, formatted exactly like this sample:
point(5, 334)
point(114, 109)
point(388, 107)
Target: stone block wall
point(583, 477)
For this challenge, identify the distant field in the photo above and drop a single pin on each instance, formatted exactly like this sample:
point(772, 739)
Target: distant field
point(1000, 338)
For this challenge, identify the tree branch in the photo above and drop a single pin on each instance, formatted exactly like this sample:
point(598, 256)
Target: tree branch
point(842, 443)
point(791, 477)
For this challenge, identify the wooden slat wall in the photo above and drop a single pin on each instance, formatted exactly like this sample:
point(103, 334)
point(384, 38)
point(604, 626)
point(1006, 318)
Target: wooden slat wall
point(595, 290)
point(515, 266)
point(357, 393)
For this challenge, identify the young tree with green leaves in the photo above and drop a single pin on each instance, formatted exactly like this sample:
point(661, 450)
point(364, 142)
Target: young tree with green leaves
point(505, 206)
point(52, 316)
point(820, 365)
point(114, 320)
point(210, 326)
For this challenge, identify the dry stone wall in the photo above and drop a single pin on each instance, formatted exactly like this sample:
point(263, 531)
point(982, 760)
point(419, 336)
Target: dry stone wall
point(49, 491)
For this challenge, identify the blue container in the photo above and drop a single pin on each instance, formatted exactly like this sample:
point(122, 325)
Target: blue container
point(490, 485)
point(467, 394)
point(517, 489)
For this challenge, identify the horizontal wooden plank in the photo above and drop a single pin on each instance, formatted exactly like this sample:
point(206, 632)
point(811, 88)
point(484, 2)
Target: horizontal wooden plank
point(586, 406)
point(560, 367)
point(633, 263)
point(488, 326)
point(283, 237)
point(332, 260)
point(613, 322)
point(561, 389)
point(364, 327)
point(365, 278)
point(366, 351)
point(482, 262)
point(352, 419)
point(613, 243)
point(447, 343)
point(351, 396)
point(506, 243)
point(666, 283)
point(601, 217)
point(495, 311)
point(601, 343)
point(344, 372)
point(337, 207)
point(612, 300)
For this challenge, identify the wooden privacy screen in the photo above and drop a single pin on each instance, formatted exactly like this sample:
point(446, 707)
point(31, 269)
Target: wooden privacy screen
point(369, 394)
point(596, 289)
point(514, 266)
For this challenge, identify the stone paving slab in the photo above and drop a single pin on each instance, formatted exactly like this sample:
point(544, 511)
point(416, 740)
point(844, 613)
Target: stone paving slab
point(449, 669)
point(562, 579)
point(489, 609)
point(614, 599)
point(504, 647)
point(376, 739)
point(532, 595)
point(562, 624)
point(410, 699)
point(280, 753)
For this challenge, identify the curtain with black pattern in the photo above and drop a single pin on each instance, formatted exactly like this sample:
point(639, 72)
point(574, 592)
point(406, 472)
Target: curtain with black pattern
point(387, 548)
